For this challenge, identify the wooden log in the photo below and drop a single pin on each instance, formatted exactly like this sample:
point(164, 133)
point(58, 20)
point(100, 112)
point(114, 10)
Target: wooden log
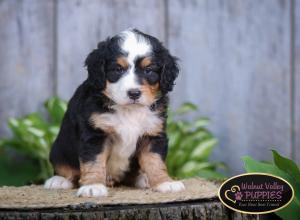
point(199, 201)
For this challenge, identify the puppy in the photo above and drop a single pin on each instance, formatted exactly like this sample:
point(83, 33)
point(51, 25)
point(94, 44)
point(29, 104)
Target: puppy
point(114, 130)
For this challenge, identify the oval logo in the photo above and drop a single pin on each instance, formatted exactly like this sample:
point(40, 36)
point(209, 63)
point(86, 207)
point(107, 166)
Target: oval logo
point(256, 193)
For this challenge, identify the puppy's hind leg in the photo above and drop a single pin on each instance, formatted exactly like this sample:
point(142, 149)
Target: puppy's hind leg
point(142, 181)
point(64, 180)
point(58, 182)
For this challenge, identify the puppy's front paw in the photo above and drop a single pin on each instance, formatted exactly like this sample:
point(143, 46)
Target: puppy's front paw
point(94, 190)
point(172, 186)
point(58, 182)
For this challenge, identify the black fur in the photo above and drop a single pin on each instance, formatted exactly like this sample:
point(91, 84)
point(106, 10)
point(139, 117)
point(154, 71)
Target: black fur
point(168, 64)
point(77, 139)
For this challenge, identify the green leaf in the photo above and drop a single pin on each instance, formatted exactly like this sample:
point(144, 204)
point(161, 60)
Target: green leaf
point(183, 126)
point(36, 120)
point(186, 108)
point(201, 122)
point(15, 126)
point(56, 109)
point(193, 166)
point(190, 144)
point(286, 165)
point(32, 136)
point(204, 149)
point(175, 140)
point(36, 132)
point(211, 175)
point(17, 173)
point(292, 210)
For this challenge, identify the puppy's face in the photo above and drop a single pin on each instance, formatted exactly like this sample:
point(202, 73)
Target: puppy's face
point(132, 68)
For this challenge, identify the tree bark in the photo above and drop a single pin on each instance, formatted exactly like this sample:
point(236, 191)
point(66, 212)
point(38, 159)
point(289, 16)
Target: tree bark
point(210, 209)
point(198, 201)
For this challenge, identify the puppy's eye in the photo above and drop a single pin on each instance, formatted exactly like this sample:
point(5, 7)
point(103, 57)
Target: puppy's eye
point(119, 68)
point(147, 70)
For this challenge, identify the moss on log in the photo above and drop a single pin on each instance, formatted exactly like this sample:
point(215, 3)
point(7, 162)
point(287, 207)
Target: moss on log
point(199, 201)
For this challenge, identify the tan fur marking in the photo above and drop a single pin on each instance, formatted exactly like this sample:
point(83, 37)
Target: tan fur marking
point(105, 92)
point(150, 91)
point(94, 172)
point(68, 172)
point(145, 62)
point(102, 121)
point(154, 167)
point(122, 61)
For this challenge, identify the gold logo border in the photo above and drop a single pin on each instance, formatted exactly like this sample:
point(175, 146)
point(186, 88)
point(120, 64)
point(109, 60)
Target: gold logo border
point(262, 174)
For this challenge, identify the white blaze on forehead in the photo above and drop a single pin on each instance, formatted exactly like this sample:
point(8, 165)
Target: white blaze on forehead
point(135, 45)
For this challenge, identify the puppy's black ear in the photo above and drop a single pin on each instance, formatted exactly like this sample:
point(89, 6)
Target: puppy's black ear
point(169, 72)
point(95, 63)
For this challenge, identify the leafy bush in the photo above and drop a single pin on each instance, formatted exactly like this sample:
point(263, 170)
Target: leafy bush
point(32, 136)
point(288, 170)
point(190, 145)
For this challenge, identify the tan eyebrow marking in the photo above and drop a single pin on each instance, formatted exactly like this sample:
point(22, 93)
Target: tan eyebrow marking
point(122, 61)
point(145, 62)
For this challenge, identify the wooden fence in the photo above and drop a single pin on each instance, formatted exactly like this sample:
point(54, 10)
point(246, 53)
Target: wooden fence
point(240, 61)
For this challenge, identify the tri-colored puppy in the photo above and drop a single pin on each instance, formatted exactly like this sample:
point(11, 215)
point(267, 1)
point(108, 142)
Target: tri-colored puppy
point(114, 129)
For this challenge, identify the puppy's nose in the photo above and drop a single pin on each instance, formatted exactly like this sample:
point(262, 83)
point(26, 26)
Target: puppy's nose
point(134, 94)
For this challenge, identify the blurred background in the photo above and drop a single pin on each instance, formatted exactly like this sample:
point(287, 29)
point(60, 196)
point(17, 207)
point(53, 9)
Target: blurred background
point(240, 62)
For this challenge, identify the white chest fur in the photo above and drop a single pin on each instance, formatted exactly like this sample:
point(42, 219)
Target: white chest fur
point(127, 124)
